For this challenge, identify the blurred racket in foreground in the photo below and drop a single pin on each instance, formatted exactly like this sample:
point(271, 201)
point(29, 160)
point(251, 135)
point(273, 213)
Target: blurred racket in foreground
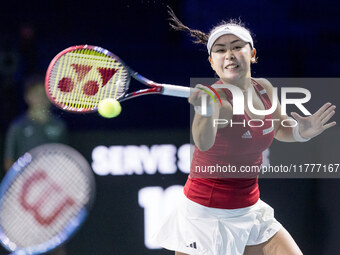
point(79, 77)
point(44, 198)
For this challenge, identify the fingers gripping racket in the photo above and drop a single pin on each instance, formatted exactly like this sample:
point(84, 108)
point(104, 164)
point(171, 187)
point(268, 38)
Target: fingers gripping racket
point(44, 198)
point(79, 77)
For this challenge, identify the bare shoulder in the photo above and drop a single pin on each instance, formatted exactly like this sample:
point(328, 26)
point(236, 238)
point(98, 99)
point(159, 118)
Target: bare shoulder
point(264, 82)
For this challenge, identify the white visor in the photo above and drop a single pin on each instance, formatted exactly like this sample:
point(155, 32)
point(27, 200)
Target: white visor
point(236, 30)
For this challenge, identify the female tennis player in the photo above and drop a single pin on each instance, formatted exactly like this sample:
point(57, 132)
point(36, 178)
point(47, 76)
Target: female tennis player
point(225, 216)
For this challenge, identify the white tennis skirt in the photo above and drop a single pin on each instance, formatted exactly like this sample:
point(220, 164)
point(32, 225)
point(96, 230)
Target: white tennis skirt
point(195, 229)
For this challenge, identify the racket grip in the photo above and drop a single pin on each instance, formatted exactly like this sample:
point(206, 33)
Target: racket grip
point(176, 91)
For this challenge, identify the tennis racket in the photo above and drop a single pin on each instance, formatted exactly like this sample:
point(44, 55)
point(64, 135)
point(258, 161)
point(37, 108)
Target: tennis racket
point(79, 77)
point(44, 199)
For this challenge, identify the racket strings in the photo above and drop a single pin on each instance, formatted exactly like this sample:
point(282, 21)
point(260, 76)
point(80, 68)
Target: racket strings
point(80, 79)
point(65, 177)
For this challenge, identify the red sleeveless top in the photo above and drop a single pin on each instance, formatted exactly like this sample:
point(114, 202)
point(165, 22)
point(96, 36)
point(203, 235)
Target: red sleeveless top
point(237, 146)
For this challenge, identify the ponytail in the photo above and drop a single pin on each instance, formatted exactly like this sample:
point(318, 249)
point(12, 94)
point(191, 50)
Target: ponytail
point(176, 24)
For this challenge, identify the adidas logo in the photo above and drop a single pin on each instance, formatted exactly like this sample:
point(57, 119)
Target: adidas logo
point(247, 135)
point(192, 245)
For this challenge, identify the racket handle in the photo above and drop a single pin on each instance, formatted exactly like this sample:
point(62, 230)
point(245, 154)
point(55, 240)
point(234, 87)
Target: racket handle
point(176, 91)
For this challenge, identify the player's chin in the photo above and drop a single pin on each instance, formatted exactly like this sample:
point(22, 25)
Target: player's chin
point(230, 76)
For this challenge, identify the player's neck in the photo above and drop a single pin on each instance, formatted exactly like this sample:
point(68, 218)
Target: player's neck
point(242, 83)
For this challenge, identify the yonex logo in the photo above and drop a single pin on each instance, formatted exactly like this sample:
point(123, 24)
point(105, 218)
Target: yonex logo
point(91, 87)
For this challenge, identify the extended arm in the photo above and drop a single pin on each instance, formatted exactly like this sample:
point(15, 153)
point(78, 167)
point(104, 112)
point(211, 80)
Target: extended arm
point(307, 128)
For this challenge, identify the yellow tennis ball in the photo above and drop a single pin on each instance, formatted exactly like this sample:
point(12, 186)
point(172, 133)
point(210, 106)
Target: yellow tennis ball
point(109, 108)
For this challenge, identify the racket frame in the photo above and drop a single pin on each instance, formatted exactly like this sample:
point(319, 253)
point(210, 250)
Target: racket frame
point(154, 87)
point(71, 227)
point(65, 51)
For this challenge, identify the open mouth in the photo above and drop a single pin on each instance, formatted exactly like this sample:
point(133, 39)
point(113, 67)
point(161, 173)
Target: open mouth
point(231, 67)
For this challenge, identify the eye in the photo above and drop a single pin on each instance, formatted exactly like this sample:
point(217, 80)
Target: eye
point(220, 50)
point(237, 48)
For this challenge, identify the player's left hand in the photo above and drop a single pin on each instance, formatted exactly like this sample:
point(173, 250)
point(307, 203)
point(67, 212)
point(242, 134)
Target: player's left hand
point(315, 124)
